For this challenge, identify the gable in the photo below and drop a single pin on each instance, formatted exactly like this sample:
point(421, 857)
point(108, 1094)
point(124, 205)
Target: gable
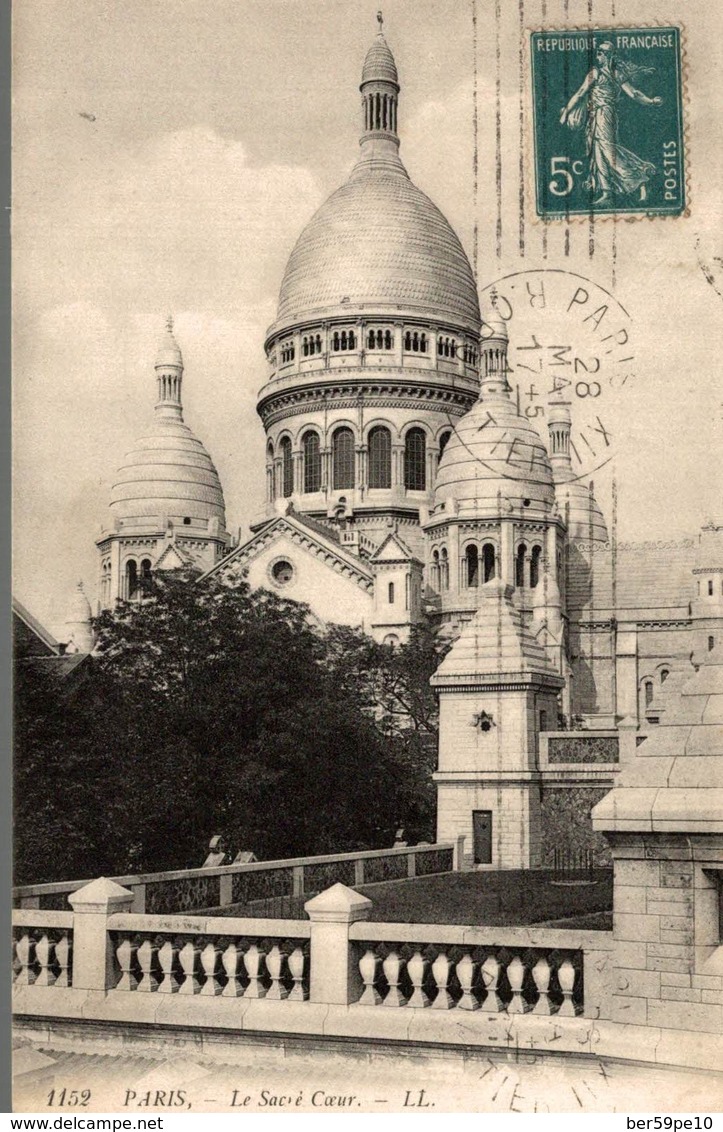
point(298, 566)
point(172, 558)
point(393, 549)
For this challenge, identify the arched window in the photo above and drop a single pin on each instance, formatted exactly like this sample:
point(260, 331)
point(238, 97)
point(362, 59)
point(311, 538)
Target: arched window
point(318, 343)
point(131, 579)
point(390, 592)
point(415, 459)
point(664, 674)
point(711, 644)
point(387, 339)
point(710, 587)
point(145, 578)
point(370, 340)
point(380, 457)
point(408, 340)
point(471, 558)
point(444, 569)
point(270, 485)
point(520, 565)
point(648, 693)
point(435, 571)
point(287, 468)
point(342, 452)
point(443, 442)
point(312, 462)
point(305, 347)
point(488, 562)
point(423, 344)
point(535, 566)
point(335, 341)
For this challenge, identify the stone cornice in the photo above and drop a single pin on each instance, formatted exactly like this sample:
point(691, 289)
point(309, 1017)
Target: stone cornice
point(375, 391)
point(493, 682)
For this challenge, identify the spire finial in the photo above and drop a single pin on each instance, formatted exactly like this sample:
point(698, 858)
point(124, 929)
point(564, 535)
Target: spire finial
point(380, 21)
point(169, 323)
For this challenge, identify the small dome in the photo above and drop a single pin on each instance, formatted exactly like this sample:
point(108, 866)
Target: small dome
point(168, 472)
point(578, 506)
point(379, 65)
point(77, 623)
point(493, 451)
point(79, 606)
point(169, 352)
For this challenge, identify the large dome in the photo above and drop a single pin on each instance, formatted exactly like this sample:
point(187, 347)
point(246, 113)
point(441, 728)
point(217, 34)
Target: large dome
point(168, 472)
point(378, 243)
point(494, 458)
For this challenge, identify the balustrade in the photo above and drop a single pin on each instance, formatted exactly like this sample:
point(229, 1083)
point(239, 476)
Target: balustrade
point(42, 956)
point(233, 968)
point(531, 980)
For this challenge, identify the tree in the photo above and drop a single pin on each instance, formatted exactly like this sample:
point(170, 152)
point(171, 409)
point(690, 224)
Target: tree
point(215, 709)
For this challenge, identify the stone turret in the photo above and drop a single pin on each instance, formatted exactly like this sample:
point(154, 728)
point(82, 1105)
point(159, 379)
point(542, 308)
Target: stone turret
point(497, 690)
point(79, 632)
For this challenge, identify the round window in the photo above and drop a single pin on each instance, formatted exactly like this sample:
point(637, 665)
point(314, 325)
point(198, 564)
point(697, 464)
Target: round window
point(282, 572)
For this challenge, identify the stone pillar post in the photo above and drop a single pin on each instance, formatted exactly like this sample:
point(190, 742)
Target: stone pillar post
point(507, 539)
point(92, 952)
point(626, 671)
point(399, 344)
point(334, 970)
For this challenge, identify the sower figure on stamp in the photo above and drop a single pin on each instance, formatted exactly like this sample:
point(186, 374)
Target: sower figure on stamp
point(613, 169)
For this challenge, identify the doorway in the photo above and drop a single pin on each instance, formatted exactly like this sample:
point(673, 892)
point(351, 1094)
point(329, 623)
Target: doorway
point(482, 836)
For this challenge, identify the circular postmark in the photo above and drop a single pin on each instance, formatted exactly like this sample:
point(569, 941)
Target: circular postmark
point(570, 340)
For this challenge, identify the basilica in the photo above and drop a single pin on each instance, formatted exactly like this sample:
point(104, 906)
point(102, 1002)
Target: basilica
point(402, 481)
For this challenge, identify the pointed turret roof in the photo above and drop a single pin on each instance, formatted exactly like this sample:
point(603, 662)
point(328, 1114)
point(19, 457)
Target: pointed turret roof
point(496, 643)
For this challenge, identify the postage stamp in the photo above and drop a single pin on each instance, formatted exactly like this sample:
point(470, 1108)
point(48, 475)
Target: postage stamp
point(608, 121)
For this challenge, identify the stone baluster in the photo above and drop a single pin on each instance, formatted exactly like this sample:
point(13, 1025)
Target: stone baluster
point(146, 956)
point(209, 963)
point(232, 961)
point(416, 968)
point(490, 971)
point(25, 952)
point(167, 958)
point(465, 971)
point(441, 971)
point(63, 950)
point(275, 961)
point(43, 956)
point(392, 967)
point(297, 964)
point(188, 958)
point(369, 971)
point(541, 974)
point(516, 975)
point(125, 954)
point(566, 976)
point(254, 961)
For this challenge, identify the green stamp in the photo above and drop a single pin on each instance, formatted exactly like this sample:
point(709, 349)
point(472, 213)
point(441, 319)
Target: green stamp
point(608, 122)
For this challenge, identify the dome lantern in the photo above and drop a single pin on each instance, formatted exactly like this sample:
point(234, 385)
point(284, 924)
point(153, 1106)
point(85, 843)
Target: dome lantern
point(380, 90)
point(169, 375)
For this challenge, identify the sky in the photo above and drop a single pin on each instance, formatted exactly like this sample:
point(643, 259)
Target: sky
point(166, 157)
